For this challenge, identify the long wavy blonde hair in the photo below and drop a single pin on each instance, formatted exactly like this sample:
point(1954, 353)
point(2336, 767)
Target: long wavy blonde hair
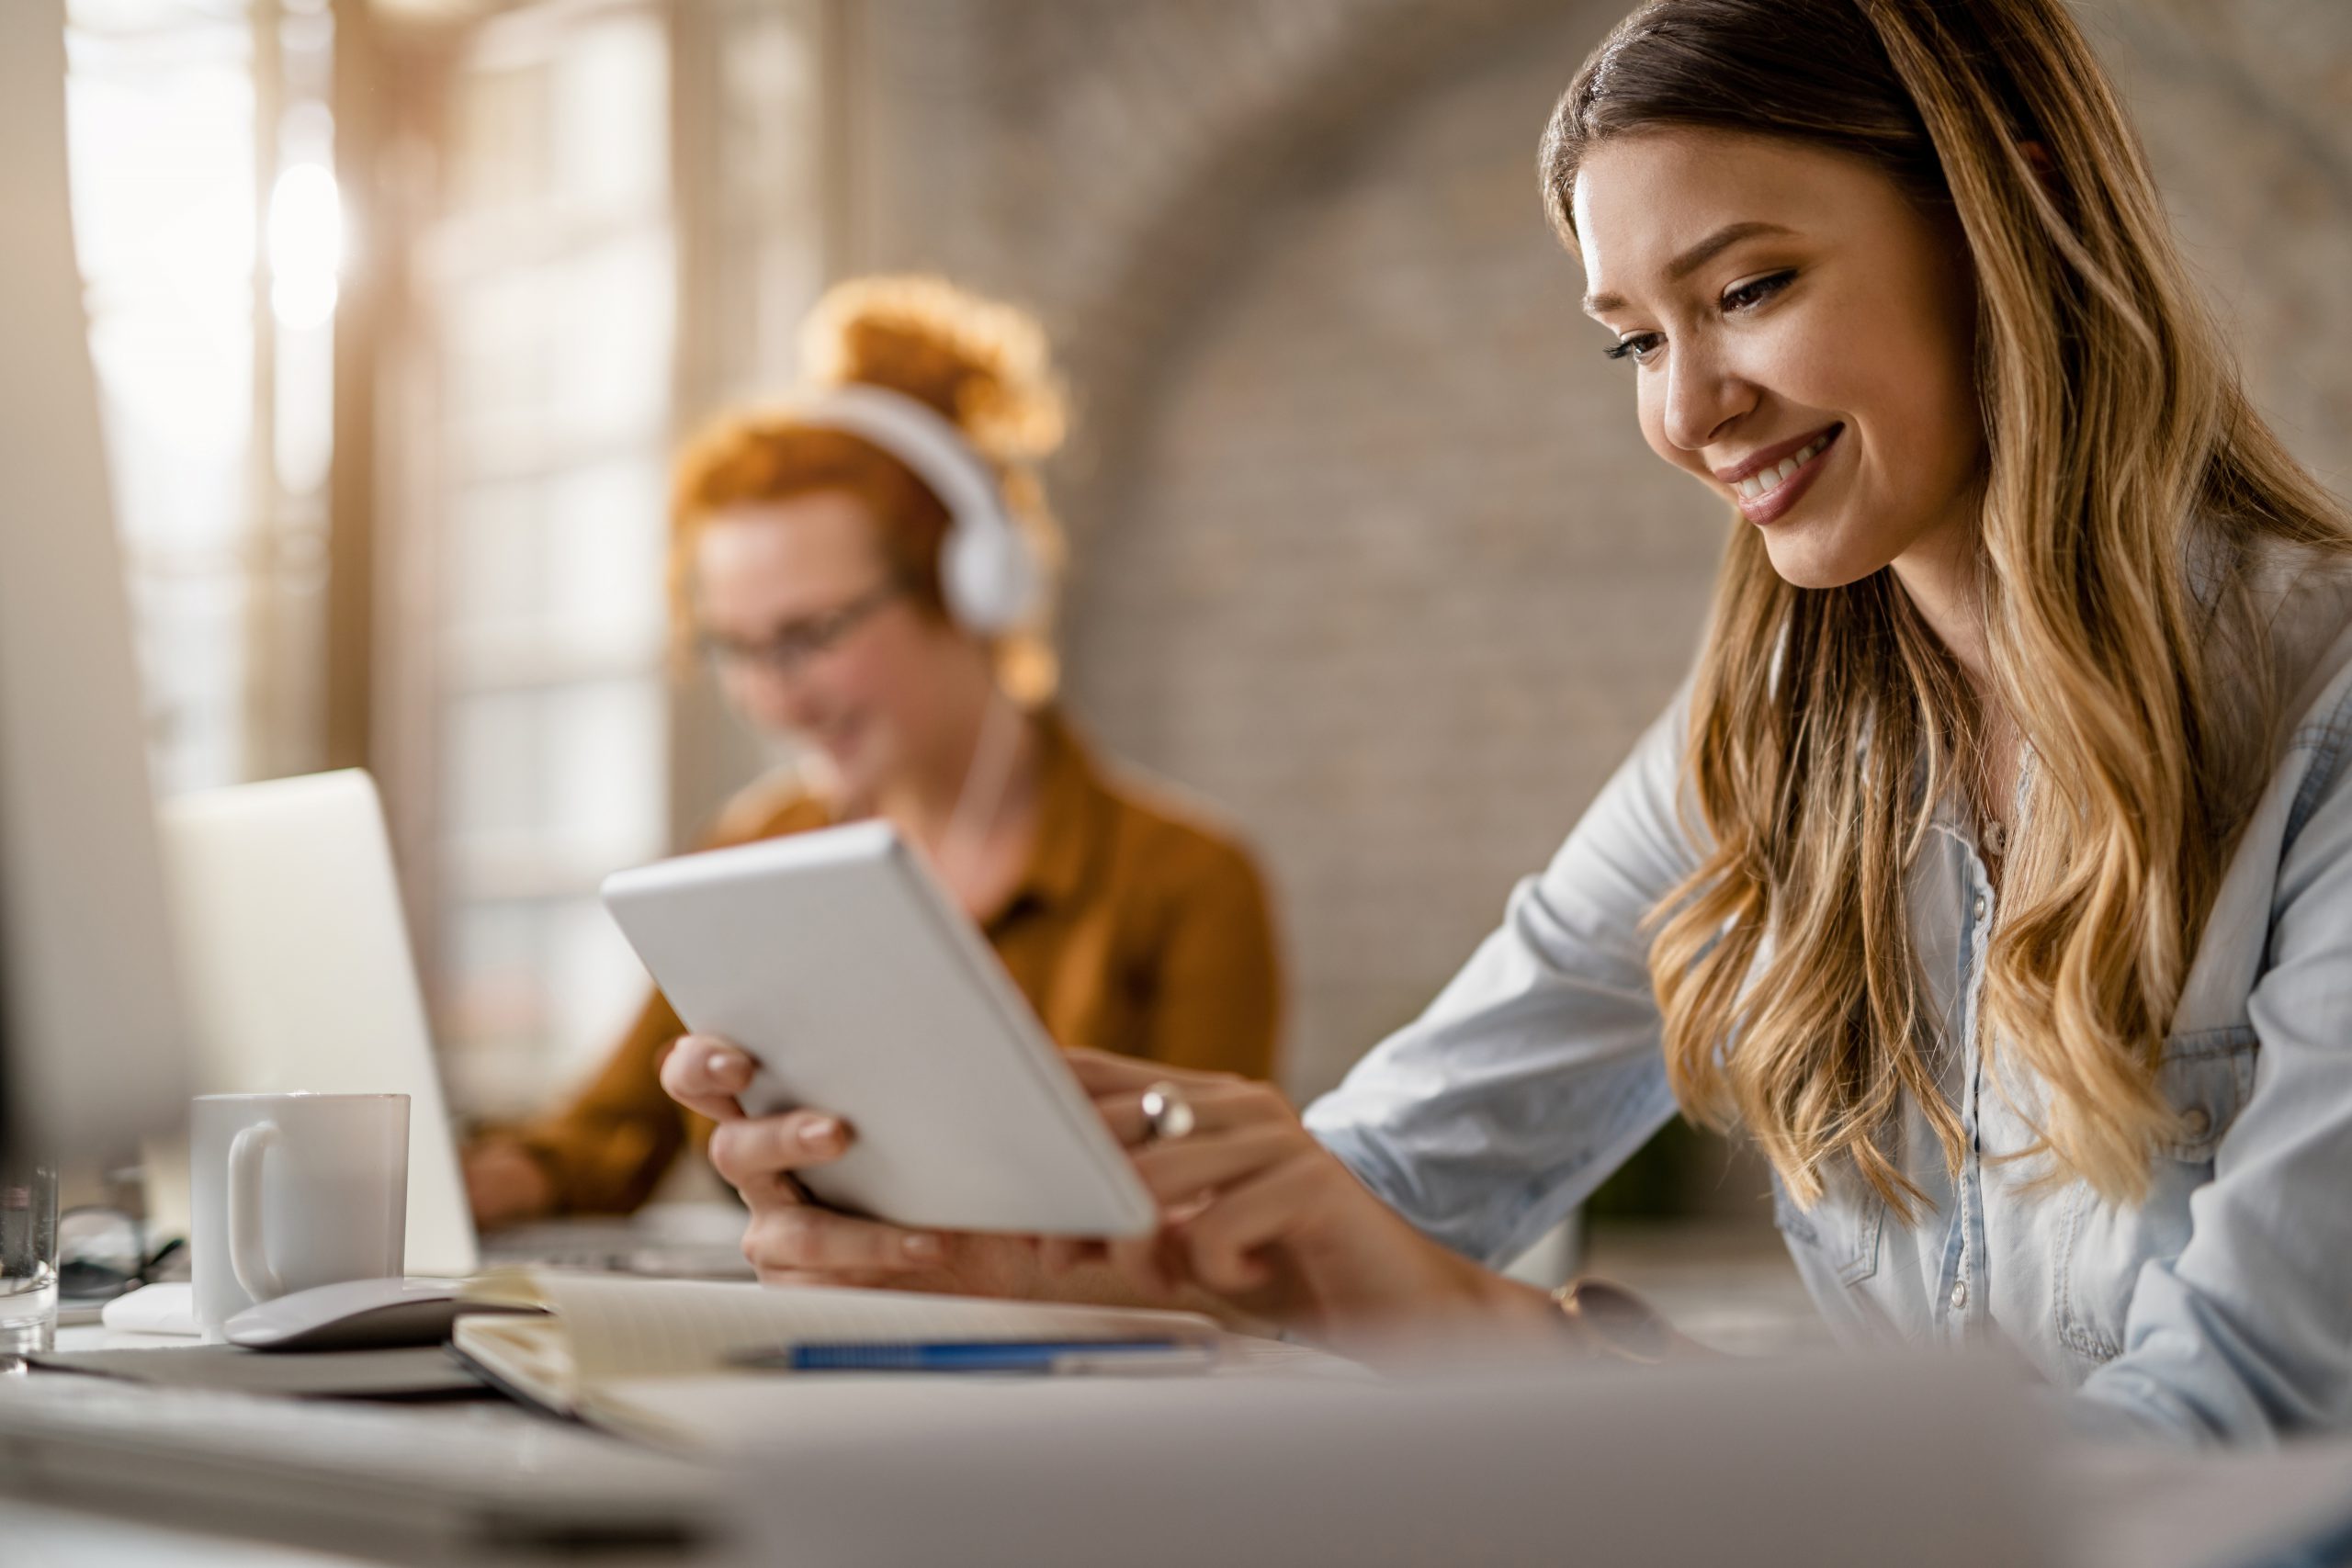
point(1826, 723)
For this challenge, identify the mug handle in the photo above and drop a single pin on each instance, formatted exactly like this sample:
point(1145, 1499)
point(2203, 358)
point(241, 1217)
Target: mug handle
point(248, 1258)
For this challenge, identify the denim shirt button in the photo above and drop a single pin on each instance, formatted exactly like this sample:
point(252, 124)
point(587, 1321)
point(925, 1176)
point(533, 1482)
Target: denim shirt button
point(2197, 1122)
point(1960, 1295)
point(1980, 906)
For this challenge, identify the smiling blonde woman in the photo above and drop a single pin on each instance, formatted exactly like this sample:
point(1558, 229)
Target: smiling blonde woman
point(1994, 869)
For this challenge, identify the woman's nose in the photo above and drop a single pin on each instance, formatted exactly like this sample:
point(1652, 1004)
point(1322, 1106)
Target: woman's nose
point(771, 698)
point(1703, 396)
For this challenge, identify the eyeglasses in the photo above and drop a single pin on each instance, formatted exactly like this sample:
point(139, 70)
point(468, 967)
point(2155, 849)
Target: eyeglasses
point(103, 1252)
point(786, 650)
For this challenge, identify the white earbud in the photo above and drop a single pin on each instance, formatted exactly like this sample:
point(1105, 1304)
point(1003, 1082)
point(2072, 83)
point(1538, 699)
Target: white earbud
point(989, 572)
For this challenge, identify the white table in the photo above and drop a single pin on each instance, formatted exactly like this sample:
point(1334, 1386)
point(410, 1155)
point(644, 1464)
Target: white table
point(35, 1536)
point(38, 1531)
point(2135, 1510)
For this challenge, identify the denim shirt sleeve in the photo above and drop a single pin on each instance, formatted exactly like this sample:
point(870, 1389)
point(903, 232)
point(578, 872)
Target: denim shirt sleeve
point(2246, 1335)
point(1536, 1071)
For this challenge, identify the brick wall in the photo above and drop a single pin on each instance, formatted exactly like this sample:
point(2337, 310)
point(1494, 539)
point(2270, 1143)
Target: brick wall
point(1390, 576)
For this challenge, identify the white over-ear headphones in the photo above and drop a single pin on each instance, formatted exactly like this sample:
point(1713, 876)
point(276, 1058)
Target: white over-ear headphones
point(989, 572)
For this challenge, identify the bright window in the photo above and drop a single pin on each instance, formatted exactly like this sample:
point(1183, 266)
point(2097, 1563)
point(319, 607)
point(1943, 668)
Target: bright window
point(548, 283)
point(211, 327)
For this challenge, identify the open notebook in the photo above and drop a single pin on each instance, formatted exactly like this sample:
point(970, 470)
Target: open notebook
point(650, 1359)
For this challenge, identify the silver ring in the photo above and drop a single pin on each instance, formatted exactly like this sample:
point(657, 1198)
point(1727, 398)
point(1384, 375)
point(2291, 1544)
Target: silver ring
point(1167, 1114)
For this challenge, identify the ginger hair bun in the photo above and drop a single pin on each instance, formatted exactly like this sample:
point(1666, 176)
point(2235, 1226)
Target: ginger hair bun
point(982, 364)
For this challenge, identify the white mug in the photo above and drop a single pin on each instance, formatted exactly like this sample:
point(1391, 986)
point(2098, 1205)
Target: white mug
point(292, 1190)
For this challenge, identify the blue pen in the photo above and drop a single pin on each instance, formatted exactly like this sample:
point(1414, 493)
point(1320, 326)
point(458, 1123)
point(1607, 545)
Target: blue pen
point(1035, 1357)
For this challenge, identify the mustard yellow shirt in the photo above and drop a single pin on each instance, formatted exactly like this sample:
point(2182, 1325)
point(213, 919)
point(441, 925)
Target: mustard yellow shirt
point(1136, 928)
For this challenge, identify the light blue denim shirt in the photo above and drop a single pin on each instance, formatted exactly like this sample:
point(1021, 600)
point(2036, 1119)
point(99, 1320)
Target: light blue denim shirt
point(2219, 1309)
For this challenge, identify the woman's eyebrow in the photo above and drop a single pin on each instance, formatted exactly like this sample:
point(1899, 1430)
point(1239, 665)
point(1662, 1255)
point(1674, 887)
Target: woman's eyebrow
point(1694, 258)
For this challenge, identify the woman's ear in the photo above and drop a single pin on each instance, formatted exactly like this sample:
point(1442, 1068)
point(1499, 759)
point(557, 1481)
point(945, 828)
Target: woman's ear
point(2045, 167)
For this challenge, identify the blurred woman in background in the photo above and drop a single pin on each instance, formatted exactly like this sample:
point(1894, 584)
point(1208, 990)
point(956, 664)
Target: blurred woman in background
point(868, 566)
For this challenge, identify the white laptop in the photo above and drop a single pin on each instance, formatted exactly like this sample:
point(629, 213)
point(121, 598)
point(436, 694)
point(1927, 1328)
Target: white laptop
point(299, 977)
point(298, 973)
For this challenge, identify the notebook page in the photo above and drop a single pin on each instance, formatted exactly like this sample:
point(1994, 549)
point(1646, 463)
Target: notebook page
point(723, 1413)
point(726, 1412)
point(532, 1354)
point(622, 1326)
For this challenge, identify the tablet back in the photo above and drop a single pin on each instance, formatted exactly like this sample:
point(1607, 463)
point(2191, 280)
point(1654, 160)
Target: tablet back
point(835, 959)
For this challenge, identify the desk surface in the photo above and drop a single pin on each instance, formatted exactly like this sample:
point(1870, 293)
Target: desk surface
point(39, 1534)
point(2159, 1510)
point(37, 1529)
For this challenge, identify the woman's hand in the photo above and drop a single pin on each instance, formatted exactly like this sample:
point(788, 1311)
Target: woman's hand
point(505, 1185)
point(1259, 1213)
point(791, 1240)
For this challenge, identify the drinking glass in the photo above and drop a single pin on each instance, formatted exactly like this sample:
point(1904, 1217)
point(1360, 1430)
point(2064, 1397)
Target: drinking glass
point(28, 1258)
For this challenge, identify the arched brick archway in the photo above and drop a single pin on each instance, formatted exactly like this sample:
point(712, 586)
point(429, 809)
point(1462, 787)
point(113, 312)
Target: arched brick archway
point(1156, 143)
point(1381, 565)
point(1271, 128)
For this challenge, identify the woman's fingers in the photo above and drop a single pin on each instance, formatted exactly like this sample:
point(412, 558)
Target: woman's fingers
point(1146, 1261)
point(1186, 1167)
point(705, 1073)
point(1218, 1105)
point(801, 1239)
point(788, 1238)
point(758, 1155)
point(1240, 1130)
point(1100, 1071)
point(1058, 1254)
point(1220, 1186)
point(1219, 1241)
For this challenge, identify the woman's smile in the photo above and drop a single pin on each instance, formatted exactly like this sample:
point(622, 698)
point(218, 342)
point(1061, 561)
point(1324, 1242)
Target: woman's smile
point(1769, 483)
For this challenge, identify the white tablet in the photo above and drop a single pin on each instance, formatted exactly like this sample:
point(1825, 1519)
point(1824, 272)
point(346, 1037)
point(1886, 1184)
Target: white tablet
point(835, 961)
